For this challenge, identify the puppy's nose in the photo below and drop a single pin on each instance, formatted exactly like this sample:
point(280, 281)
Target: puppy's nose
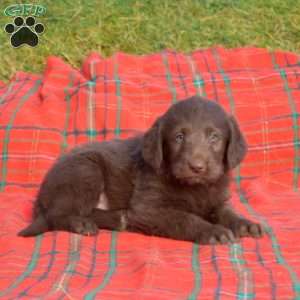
point(197, 166)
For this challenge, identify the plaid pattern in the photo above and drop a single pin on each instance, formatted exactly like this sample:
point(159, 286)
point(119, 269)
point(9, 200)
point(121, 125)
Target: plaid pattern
point(43, 116)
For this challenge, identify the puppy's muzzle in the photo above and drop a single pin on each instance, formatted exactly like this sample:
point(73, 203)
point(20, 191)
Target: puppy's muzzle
point(197, 166)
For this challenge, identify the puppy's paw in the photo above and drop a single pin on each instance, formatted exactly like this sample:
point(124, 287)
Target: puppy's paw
point(217, 234)
point(84, 226)
point(244, 228)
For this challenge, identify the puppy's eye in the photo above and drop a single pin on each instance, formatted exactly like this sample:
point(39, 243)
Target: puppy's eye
point(179, 137)
point(214, 137)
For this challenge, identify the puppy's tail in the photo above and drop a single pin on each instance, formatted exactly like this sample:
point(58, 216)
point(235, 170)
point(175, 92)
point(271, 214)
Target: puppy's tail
point(38, 226)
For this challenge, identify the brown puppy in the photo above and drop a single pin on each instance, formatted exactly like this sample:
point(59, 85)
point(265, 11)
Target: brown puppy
point(170, 182)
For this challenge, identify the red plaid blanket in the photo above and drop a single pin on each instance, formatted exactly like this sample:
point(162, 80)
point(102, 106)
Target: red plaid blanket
point(43, 116)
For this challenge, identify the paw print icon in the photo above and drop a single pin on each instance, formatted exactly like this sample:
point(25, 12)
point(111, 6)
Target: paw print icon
point(24, 32)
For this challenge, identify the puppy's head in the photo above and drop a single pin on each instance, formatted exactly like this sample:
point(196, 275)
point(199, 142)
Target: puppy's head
point(195, 141)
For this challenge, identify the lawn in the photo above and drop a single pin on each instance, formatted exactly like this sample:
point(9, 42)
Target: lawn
point(75, 28)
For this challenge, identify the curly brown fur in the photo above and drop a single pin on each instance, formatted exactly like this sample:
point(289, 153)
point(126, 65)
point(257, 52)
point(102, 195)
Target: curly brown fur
point(170, 182)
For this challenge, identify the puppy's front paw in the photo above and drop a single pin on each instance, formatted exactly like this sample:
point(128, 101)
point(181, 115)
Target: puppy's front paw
point(217, 234)
point(244, 228)
point(84, 226)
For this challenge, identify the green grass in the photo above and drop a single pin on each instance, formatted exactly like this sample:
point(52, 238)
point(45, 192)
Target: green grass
point(74, 28)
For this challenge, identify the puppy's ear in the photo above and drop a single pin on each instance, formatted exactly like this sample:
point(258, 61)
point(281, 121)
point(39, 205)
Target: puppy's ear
point(152, 146)
point(237, 146)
